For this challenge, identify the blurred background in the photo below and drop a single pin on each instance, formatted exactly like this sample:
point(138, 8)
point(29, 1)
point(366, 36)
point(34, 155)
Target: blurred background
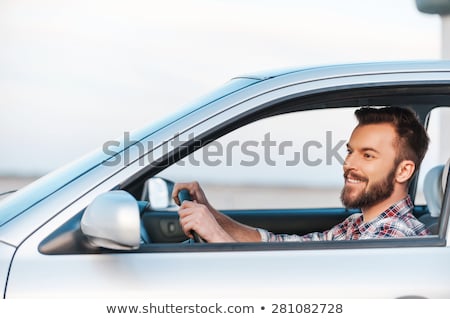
point(74, 74)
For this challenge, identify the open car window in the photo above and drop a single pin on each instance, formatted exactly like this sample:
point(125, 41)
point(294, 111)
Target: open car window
point(282, 173)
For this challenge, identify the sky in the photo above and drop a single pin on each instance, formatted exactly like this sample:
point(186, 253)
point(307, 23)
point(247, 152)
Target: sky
point(74, 74)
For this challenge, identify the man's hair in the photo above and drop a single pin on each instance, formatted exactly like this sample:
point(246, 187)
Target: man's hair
point(412, 139)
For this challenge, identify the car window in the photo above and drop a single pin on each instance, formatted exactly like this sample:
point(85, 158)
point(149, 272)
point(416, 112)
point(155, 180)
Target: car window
point(439, 148)
point(291, 160)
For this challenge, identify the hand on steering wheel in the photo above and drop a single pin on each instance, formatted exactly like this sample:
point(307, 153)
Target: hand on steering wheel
point(182, 196)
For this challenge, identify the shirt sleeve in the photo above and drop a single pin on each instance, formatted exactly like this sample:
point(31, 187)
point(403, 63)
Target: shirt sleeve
point(267, 236)
point(338, 232)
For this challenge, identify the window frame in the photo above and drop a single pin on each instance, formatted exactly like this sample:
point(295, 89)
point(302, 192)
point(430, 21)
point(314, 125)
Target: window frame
point(425, 97)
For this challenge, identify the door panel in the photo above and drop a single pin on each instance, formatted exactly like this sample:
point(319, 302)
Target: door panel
point(285, 273)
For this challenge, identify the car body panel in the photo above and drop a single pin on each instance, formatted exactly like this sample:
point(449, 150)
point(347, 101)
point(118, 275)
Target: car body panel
point(164, 275)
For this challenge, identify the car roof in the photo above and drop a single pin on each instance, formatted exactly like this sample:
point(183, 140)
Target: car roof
point(356, 68)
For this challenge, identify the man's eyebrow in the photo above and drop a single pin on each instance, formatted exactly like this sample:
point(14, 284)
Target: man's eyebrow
point(364, 149)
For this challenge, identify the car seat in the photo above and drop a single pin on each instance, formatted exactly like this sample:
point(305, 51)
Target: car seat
point(434, 188)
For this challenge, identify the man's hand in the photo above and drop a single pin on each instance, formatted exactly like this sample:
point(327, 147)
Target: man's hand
point(195, 191)
point(197, 217)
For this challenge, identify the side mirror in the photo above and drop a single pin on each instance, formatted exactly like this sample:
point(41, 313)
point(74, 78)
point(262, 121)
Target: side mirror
point(158, 192)
point(112, 221)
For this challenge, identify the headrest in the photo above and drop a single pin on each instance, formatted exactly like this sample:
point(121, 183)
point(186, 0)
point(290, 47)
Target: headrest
point(434, 187)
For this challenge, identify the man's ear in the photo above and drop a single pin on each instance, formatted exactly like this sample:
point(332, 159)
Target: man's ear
point(404, 171)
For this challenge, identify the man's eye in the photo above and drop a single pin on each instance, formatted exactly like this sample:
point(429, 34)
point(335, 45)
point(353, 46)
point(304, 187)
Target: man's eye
point(367, 155)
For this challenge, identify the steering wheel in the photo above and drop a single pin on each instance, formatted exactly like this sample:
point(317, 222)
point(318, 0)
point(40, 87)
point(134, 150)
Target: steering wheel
point(143, 205)
point(182, 196)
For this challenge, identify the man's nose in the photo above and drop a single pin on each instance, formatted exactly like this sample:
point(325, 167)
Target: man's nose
point(349, 162)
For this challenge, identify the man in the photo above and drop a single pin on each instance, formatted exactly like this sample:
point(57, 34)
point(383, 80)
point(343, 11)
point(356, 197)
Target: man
point(383, 154)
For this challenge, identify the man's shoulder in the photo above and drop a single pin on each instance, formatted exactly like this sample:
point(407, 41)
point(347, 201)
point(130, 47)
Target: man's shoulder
point(401, 225)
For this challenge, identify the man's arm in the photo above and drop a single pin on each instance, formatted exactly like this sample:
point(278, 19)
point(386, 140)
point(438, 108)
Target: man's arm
point(238, 231)
point(197, 215)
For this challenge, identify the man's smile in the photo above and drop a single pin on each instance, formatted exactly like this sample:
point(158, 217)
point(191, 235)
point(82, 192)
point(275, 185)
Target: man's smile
point(353, 179)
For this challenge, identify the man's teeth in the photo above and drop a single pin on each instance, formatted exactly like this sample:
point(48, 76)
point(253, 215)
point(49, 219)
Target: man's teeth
point(354, 181)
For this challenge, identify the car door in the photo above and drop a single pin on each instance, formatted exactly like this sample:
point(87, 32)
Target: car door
point(252, 270)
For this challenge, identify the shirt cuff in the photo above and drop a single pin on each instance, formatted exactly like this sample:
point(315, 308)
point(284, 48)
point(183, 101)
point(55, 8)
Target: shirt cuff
point(264, 234)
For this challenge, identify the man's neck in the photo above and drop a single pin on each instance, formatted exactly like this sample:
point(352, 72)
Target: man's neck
point(372, 212)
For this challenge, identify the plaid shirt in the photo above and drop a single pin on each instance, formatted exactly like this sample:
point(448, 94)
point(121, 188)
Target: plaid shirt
point(396, 221)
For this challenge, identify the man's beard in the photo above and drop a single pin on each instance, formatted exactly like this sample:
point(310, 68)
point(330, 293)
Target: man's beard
point(373, 195)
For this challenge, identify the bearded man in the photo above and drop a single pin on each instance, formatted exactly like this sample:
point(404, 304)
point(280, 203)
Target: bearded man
point(384, 152)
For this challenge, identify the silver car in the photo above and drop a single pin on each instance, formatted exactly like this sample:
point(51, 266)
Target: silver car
point(268, 150)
